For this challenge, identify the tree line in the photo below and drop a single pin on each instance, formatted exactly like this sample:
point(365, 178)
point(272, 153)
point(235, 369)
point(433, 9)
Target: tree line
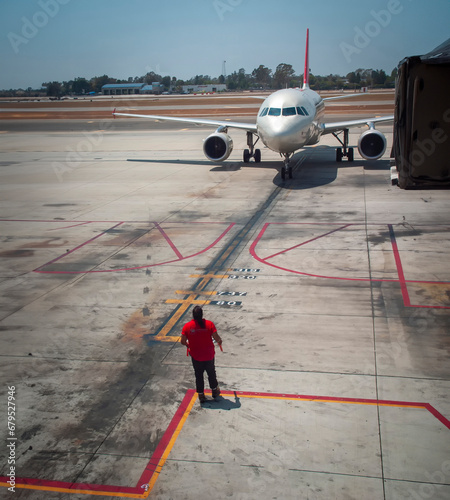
point(261, 78)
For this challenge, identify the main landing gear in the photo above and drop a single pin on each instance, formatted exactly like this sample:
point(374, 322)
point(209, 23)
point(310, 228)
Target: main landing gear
point(252, 152)
point(345, 150)
point(287, 167)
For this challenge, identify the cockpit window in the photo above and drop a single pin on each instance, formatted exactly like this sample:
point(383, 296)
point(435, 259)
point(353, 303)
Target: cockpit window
point(291, 111)
point(301, 110)
point(288, 111)
point(274, 111)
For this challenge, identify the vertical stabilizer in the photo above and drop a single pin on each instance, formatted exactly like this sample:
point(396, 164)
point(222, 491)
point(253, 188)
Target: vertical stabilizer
point(306, 72)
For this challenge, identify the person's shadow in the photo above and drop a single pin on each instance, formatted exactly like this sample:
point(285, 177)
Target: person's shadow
point(220, 403)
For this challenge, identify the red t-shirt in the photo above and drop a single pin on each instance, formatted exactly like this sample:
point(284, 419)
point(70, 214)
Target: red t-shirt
point(200, 341)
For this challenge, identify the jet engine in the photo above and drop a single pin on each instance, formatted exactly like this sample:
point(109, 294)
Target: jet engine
point(218, 146)
point(372, 144)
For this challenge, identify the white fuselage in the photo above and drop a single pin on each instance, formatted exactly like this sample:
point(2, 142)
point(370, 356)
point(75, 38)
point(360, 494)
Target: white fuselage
point(290, 119)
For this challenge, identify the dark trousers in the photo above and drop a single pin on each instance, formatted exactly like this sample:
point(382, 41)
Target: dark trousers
point(199, 368)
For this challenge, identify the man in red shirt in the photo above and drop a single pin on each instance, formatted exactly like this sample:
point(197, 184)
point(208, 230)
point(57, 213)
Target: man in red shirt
point(197, 336)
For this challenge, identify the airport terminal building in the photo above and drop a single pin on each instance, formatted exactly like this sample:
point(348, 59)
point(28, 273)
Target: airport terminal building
point(132, 88)
point(157, 88)
point(198, 89)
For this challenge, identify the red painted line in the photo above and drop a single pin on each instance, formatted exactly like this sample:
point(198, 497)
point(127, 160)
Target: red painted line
point(438, 415)
point(152, 466)
point(264, 261)
point(325, 399)
point(39, 269)
point(149, 471)
point(81, 487)
point(114, 221)
point(398, 263)
point(309, 241)
point(169, 241)
point(75, 249)
point(67, 227)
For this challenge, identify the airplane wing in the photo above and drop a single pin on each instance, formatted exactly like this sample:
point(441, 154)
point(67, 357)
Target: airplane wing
point(328, 128)
point(250, 127)
point(349, 96)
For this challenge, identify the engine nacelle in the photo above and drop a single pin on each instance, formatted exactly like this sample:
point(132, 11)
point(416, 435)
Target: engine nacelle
point(218, 146)
point(372, 144)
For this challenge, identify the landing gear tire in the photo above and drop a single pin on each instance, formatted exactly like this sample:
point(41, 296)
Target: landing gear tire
point(286, 169)
point(251, 152)
point(345, 151)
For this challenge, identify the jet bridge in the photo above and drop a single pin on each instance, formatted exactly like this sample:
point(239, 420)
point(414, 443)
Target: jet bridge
point(421, 144)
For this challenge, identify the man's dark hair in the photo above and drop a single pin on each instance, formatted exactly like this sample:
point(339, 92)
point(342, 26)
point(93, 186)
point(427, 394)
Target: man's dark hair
point(198, 316)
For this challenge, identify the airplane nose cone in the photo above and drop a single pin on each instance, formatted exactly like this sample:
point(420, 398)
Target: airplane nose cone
point(282, 137)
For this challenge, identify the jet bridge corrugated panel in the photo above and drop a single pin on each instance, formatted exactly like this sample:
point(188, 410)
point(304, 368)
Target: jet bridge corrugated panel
point(421, 143)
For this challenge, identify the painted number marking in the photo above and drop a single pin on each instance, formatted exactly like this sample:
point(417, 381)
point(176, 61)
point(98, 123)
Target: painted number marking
point(246, 270)
point(239, 294)
point(241, 277)
point(225, 302)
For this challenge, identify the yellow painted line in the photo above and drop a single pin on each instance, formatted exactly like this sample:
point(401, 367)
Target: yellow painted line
point(195, 292)
point(319, 400)
point(219, 276)
point(84, 492)
point(185, 304)
point(168, 326)
point(170, 445)
point(181, 301)
point(110, 494)
point(167, 338)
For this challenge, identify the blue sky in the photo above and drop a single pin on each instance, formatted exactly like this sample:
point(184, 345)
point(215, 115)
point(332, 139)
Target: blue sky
point(46, 40)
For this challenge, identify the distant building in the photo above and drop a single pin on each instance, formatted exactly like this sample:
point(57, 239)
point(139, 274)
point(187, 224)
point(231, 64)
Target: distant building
point(198, 89)
point(146, 89)
point(154, 88)
point(122, 88)
point(132, 88)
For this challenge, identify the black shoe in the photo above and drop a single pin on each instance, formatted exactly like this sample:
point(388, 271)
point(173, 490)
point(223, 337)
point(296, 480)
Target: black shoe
point(202, 397)
point(216, 392)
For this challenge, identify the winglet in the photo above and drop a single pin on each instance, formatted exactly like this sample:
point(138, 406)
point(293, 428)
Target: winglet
point(114, 113)
point(306, 72)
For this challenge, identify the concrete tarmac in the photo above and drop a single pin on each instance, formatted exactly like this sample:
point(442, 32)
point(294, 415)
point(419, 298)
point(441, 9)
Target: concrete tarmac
point(331, 292)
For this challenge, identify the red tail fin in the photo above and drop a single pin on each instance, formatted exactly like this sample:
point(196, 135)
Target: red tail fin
point(306, 72)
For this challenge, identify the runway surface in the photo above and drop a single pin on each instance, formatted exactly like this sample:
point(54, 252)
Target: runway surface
point(330, 291)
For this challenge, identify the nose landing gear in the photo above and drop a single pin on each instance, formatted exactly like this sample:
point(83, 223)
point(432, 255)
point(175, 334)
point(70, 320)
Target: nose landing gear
point(286, 169)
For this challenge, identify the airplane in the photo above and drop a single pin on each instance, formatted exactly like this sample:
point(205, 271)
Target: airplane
point(288, 120)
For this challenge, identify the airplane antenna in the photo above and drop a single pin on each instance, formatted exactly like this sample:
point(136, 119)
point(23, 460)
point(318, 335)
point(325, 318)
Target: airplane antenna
point(306, 72)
